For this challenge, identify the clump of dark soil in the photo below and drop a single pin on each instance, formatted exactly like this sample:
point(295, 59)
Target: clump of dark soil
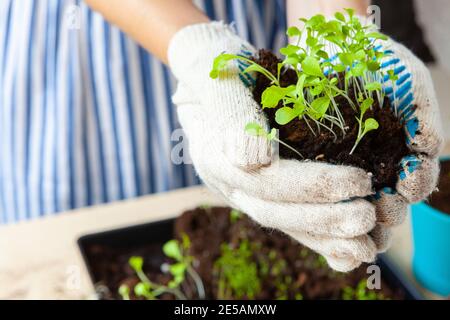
point(110, 265)
point(208, 229)
point(440, 199)
point(379, 152)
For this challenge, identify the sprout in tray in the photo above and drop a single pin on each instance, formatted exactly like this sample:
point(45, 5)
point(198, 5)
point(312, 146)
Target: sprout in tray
point(242, 263)
point(237, 273)
point(361, 292)
point(341, 59)
point(182, 267)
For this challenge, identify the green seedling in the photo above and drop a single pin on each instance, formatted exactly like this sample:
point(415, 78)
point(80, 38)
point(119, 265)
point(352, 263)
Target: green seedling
point(235, 215)
point(221, 61)
point(304, 253)
point(242, 269)
point(124, 292)
point(298, 296)
point(282, 283)
point(361, 292)
point(320, 262)
point(177, 251)
point(393, 77)
point(147, 289)
point(313, 98)
point(366, 125)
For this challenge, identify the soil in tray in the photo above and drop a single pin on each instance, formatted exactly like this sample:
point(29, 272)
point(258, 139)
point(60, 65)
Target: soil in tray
point(303, 273)
point(441, 199)
point(379, 152)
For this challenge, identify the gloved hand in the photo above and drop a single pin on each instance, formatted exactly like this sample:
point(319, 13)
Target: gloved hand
point(412, 95)
point(319, 204)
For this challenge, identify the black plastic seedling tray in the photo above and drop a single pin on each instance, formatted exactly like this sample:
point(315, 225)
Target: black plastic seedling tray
point(161, 231)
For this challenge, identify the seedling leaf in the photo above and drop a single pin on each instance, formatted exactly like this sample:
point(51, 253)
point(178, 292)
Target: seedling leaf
point(272, 134)
point(377, 35)
point(178, 269)
point(136, 263)
point(373, 86)
point(392, 75)
point(141, 289)
point(254, 68)
point(360, 55)
point(319, 107)
point(172, 250)
point(289, 50)
point(311, 66)
point(358, 69)
point(185, 241)
point(373, 66)
point(293, 31)
point(235, 215)
point(323, 54)
point(350, 12)
point(346, 58)
point(124, 292)
point(271, 96)
point(339, 16)
point(220, 62)
point(370, 124)
point(310, 41)
point(285, 115)
point(316, 20)
point(365, 105)
point(254, 129)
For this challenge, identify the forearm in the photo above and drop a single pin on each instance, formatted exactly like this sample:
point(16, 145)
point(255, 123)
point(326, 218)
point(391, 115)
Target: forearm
point(152, 23)
point(307, 8)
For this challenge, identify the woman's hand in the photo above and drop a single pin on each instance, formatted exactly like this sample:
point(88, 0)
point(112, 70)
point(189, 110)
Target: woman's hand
point(318, 204)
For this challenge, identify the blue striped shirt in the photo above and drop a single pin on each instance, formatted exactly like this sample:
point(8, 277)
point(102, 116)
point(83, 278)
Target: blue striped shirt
point(85, 113)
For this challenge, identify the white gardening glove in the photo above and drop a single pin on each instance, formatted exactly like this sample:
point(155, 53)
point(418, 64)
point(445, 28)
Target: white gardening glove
point(414, 96)
point(319, 204)
point(415, 99)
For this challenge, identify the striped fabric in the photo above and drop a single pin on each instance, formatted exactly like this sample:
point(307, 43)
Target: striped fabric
point(85, 113)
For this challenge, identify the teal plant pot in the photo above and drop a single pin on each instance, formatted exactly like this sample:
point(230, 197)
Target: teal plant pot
point(431, 239)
